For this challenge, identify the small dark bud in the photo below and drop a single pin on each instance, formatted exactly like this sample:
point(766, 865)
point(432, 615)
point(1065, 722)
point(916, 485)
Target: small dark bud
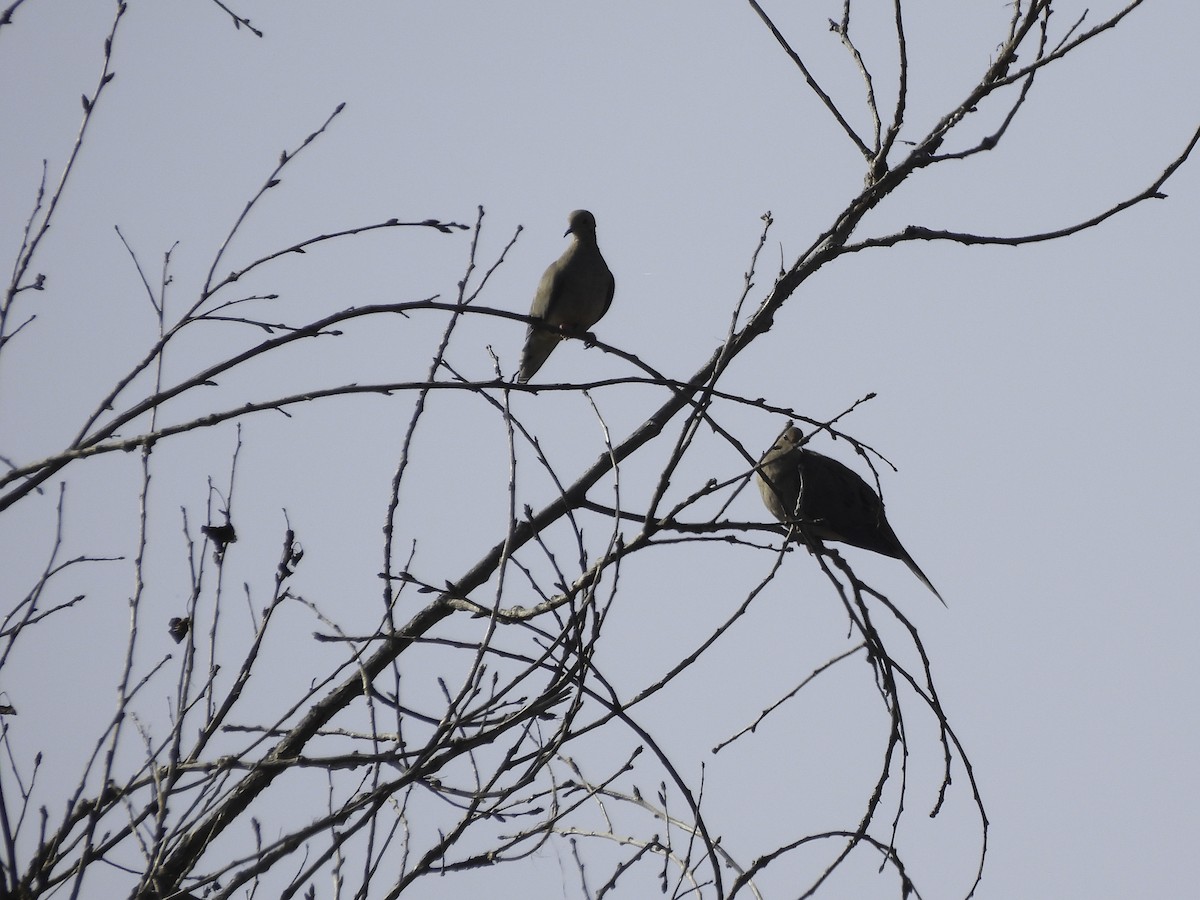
point(178, 628)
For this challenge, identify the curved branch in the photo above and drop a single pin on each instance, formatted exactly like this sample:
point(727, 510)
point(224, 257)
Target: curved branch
point(920, 233)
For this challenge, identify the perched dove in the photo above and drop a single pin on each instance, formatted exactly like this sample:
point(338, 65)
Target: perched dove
point(572, 296)
point(828, 500)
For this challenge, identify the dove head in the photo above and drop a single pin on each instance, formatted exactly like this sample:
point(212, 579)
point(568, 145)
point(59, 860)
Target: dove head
point(580, 222)
point(790, 438)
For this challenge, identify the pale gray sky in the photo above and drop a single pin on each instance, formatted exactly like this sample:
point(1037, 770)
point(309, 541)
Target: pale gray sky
point(1040, 402)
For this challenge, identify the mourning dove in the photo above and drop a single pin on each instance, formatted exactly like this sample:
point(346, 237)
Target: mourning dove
point(827, 500)
point(573, 294)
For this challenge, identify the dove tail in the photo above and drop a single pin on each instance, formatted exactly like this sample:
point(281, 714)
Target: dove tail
point(916, 570)
point(538, 347)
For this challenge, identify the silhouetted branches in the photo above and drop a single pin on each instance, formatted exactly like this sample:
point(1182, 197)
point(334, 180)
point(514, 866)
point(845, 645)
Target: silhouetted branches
point(461, 727)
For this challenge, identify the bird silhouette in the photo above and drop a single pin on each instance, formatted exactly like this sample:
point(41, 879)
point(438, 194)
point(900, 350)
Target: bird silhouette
point(827, 500)
point(574, 293)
